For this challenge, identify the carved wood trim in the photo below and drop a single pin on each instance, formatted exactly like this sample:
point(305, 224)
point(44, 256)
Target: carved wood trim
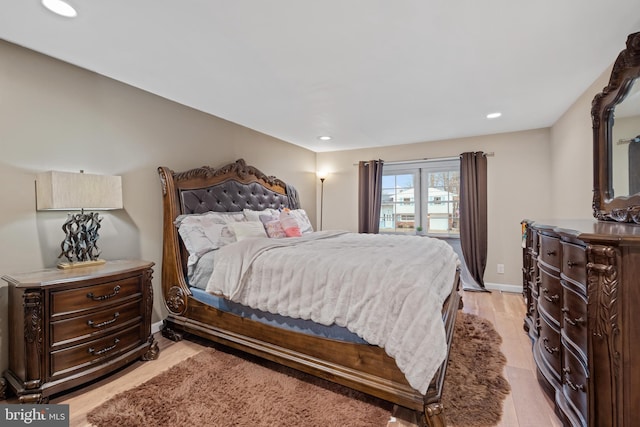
point(176, 300)
point(33, 319)
point(604, 311)
point(238, 168)
point(434, 415)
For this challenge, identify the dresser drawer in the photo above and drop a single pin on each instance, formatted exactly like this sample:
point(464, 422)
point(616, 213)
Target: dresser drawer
point(574, 384)
point(549, 342)
point(66, 361)
point(97, 323)
point(102, 294)
point(550, 251)
point(550, 295)
point(574, 318)
point(574, 263)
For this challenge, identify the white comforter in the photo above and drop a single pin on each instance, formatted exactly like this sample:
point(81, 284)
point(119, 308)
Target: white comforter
point(387, 289)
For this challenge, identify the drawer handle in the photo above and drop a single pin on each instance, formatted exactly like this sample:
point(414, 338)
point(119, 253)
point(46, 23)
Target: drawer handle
point(570, 263)
point(550, 350)
point(116, 289)
point(551, 252)
point(552, 298)
point(104, 350)
point(105, 323)
point(574, 387)
point(575, 322)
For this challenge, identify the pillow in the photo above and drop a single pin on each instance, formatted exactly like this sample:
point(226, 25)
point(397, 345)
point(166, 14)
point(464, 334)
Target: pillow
point(205, 232)
point(303, 220)
point(218, 217)
point(248, 230)
point(251, 215)
point(289, 224)
point(197, 241)
point(272, 226)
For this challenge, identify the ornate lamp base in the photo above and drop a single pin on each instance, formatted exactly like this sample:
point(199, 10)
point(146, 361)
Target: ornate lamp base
point(80, 245)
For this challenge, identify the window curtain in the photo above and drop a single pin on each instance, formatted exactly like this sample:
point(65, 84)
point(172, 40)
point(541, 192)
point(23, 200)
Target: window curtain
point(369, 195)
point(473, 213)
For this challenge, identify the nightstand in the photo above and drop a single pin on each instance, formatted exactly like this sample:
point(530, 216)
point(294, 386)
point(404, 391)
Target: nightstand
point(68, 327)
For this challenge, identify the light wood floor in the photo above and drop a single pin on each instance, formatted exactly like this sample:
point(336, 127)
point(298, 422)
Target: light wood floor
point(527, 405)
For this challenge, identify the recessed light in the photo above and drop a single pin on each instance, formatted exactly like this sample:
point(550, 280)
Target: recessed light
point(60, 7)
point(493, 115)
point(324, 138)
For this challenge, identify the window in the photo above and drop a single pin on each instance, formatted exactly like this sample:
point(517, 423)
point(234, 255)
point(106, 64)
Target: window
point(421, 194)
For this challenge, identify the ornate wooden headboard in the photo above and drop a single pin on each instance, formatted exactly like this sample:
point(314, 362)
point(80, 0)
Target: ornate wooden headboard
point(231, 188)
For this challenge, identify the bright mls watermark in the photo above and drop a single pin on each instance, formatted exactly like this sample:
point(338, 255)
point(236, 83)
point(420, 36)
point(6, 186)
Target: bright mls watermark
point(34, 415)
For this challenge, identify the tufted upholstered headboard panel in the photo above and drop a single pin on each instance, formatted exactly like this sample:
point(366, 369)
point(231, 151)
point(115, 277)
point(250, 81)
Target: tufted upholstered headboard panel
point(231, 196)
point(231, 188)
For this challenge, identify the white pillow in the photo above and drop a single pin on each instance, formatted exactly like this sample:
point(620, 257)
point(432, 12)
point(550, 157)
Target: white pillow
point(205, 232)
point(199, 239)
point(251, 215)
point(303, 220)
point(248, 230)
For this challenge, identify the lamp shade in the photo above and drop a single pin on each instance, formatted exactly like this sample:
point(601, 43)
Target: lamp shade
point(75, 191)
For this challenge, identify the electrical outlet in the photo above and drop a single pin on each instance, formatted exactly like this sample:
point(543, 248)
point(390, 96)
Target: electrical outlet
point(500, 268)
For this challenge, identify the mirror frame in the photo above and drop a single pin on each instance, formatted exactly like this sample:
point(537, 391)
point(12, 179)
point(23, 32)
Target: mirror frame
point(625, 70)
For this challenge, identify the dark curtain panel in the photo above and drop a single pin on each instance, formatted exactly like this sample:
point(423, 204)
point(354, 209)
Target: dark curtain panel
point(369, 196)
point(473, 213)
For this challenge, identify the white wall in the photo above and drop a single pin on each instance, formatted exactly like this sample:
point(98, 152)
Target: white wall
point(572, 157)
point(57, 116)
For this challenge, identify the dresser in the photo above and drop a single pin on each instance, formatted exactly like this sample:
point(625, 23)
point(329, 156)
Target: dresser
point(582, 291)
point(68, 327)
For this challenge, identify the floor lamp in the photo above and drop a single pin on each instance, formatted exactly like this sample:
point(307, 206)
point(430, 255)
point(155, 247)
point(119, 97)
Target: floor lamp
point(321, 199)
point(322, 177)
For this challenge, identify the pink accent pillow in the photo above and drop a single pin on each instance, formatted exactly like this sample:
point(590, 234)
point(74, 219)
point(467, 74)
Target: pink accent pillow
point(273, 227)
point(289, 224)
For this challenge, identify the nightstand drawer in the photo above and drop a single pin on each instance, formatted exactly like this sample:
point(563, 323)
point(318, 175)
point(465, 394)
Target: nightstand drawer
point(82, 356)
point(74, 300)
point(95, 324)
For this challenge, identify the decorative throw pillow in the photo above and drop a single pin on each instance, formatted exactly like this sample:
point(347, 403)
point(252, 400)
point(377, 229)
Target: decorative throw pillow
point(303, 220)
point(272, 226)
point(248, 230)
point(289, 224)
point(201, 233)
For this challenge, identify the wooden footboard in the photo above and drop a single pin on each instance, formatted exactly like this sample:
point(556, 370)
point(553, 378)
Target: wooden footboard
point(363, 367)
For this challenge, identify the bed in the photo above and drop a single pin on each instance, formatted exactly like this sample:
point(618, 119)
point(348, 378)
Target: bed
point(202, 301)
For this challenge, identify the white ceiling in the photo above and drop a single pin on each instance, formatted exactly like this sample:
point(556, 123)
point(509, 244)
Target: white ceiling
point(367, 72)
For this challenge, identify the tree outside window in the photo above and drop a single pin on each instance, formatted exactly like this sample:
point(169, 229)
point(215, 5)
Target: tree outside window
point(421, 194)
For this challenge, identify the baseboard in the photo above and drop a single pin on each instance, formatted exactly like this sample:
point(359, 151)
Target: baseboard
point(155, 327)
point(503, 287)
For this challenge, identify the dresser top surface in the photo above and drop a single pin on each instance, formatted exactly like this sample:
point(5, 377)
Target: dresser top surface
point(589, 230)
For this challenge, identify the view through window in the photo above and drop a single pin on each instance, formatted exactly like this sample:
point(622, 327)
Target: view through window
point(421, 195)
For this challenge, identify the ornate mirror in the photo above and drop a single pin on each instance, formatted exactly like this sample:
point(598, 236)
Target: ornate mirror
point(615, 113)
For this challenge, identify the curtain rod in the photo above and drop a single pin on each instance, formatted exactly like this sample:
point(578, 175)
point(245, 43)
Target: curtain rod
point(628, 141)
point(490, 154)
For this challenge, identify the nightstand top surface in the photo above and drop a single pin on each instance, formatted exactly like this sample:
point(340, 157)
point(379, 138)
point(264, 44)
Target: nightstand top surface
point(52, 276)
